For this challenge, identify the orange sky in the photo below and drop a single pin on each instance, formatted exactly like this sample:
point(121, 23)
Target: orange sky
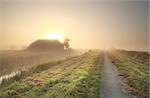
point(89, 24)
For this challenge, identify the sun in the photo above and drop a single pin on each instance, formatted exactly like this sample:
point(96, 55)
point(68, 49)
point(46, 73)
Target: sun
point(55, 36)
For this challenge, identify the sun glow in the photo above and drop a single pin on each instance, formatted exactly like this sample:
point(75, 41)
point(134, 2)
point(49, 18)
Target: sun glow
point(54, 36)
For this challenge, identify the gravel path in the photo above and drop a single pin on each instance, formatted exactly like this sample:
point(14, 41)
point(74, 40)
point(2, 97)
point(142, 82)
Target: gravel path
point(110, 82)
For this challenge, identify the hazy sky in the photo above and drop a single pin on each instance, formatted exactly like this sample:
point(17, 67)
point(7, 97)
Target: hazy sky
point(88, 23)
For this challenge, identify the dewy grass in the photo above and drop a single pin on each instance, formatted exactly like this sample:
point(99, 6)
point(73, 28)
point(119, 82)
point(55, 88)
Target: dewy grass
point(135, 74)
point(77, 77)
point(24, 73)
point(31, 70)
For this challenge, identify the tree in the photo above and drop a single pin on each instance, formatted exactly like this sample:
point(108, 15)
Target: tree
point(66, 43)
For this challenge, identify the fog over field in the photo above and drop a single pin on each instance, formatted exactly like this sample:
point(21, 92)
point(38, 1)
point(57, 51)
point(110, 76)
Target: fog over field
point(74, 49)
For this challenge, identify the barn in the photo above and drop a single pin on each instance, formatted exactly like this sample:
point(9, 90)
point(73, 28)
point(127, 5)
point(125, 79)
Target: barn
point(46, 45)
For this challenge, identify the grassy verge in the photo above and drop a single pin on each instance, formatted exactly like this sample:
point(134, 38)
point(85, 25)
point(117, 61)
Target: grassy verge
point(78, 77)
point(135, 74)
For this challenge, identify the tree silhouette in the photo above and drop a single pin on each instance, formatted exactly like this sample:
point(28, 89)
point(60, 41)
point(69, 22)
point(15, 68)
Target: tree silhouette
point(66, 43)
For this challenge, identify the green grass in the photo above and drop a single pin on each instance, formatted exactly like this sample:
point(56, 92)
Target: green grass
point(76, 77)
point(24, 73)
point(135, 74)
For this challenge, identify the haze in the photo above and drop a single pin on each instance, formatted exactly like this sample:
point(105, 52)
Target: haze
point(89, 24)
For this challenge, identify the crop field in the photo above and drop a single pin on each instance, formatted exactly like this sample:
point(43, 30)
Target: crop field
point(133, 67)
point(11, 61)
point(74, 77)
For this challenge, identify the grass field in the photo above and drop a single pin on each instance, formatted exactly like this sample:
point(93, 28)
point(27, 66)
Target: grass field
point(75, 77)
point(134, 70)
point(11, 61)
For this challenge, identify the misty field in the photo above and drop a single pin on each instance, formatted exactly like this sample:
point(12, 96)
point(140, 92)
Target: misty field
point(133, 67)
point(11, 61)
point(75, 77)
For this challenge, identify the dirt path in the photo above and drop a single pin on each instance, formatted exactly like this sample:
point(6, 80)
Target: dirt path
point(110, 82)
